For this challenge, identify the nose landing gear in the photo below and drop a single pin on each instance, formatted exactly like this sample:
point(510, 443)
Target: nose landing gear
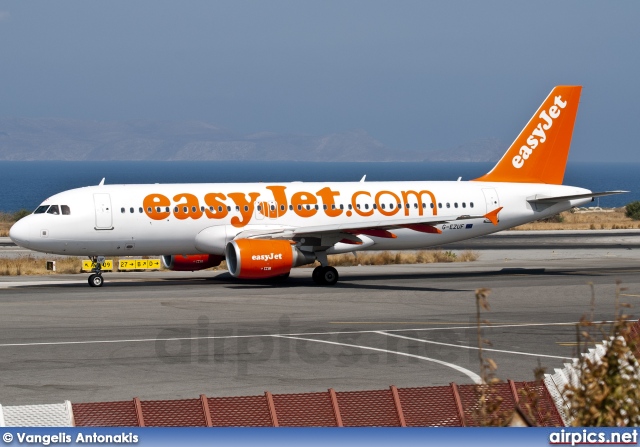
point(96, 279)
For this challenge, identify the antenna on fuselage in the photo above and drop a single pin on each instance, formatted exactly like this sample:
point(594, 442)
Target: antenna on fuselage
point(101, 182)
point(363, 177)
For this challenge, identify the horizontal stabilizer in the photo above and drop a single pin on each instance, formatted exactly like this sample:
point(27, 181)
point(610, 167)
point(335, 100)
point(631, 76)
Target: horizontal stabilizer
point(540, 199)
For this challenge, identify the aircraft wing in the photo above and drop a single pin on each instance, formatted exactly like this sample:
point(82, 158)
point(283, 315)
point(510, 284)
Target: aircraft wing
point(378, 228)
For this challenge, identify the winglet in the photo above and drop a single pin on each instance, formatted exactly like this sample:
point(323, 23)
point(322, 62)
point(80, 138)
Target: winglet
point(493, 215)
point(539, 154)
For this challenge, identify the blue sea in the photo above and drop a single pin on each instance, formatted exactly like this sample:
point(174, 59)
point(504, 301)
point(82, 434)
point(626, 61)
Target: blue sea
point(23, 185)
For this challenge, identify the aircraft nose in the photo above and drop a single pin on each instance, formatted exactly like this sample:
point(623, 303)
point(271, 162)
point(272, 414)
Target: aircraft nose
point(19, 233)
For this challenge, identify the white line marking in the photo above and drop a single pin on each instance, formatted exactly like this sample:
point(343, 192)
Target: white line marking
point(473, 347)
point(146, 340)
point(10, 284)
point(473, 376)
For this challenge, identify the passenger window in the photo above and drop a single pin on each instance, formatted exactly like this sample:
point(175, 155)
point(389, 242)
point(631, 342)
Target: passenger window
point(273, 207)
point(228, 208)
point(455, 205)
point(316, 206)
point(415, 205)
point(324, 207)
point(471, 204)
point(175, 210)
point(399, 205)
point(333, 206)
point(341, 206)
point(237, 208)
point(424, 205)
point(149, 210)
point(140, 210)
point(366, 206)
point(259, 208)
point(41, 209)
point(375, 207)
point(281, 207)
point(408, 206)
point(350, 206)
point(432, 206)
point(193, 209)
point(358, 205)
point(382, 206)
point(290, 207)
point(246, 208)
point(464, 205)
point(131, 210)
point(211, 209)
point(201, 209)
point(122, 210)
point(448, 205)
point(167, 209)
point(439, 205)
point(53, 209)
point(220, 208)
point(299, 207)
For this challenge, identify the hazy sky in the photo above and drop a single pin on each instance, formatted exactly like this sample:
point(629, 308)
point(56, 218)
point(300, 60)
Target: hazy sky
point(414, 74)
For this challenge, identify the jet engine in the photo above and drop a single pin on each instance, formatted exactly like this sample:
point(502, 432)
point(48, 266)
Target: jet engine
point(261, 258)
point(190, 263)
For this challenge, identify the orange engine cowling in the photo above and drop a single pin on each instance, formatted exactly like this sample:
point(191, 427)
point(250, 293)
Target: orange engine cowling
point(190, 263)
point(260, 258)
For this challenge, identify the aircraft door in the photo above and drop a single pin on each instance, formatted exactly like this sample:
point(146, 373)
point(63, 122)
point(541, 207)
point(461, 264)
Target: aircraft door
point(260, 208)
point(491, 199)
point(104, 219)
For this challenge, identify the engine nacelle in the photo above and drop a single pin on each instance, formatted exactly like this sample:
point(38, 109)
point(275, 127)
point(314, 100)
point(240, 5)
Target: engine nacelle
point(190, 263)
point(261, 258)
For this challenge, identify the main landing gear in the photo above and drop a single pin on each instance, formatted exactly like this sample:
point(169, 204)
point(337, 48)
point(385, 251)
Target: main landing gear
point(96, 279)
point(325, 275)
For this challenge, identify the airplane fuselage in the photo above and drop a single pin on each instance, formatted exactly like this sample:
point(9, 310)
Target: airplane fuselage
point(161, 219)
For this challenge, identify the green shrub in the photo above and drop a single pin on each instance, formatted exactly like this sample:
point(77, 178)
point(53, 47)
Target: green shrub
point(632, 210)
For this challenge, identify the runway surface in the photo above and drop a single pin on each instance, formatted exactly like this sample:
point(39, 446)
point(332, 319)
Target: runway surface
point(169, 335)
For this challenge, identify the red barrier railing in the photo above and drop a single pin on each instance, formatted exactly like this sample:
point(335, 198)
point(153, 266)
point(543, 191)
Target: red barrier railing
point(454, 405)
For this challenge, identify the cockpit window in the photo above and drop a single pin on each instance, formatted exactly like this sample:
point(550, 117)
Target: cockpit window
point(41, 209)
point(53, 209)
point(65, 210)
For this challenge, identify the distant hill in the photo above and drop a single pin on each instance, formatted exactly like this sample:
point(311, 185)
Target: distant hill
point(64, 139)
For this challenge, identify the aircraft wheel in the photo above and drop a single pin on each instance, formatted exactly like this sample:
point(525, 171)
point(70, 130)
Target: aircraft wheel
point(325, 276)
point(96, 280)
point(316, 275)
point(329, 276)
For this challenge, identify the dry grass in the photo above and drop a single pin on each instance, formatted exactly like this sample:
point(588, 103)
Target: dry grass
point(4, 229)
point(398, 257)
point(28, 265)
point(597, 220)
point(6, 220)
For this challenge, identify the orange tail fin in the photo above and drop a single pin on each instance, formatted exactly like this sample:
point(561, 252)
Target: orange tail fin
point(539, 154)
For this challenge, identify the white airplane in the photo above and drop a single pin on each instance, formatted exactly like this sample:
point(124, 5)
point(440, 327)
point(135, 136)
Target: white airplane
point(263, 230)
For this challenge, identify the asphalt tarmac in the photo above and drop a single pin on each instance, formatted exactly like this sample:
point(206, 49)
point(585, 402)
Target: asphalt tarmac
point(172, 335)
